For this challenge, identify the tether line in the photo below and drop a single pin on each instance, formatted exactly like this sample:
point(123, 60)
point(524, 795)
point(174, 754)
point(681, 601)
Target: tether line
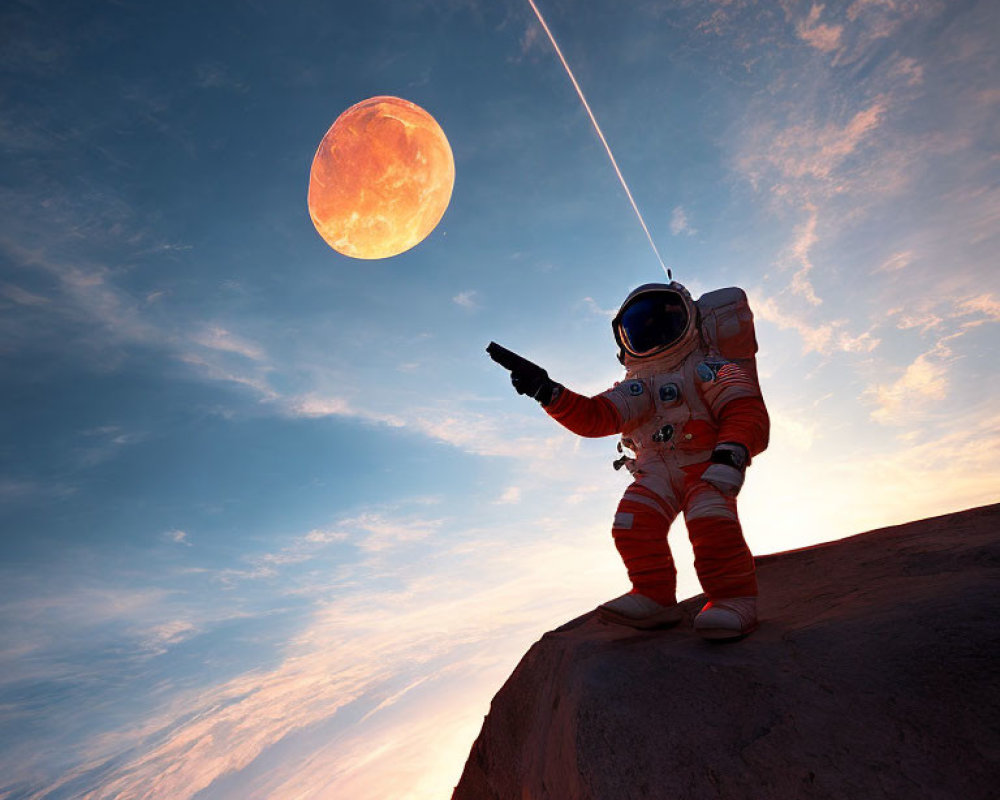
point(600, 133)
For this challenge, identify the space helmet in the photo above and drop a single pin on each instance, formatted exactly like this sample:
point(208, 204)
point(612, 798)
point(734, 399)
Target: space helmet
point(654, 319)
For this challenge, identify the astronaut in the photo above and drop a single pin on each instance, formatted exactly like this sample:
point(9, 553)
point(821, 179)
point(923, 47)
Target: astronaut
point(694, 420)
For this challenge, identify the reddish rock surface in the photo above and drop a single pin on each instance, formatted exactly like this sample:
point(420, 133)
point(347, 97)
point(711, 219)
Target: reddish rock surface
point(874, 674)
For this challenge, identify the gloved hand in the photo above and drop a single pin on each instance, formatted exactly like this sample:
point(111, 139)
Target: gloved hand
point(728, 468)
point(532, 380)
point(528, 378)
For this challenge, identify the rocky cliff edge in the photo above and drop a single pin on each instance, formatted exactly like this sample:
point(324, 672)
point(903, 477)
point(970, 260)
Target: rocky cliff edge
point(874, 674)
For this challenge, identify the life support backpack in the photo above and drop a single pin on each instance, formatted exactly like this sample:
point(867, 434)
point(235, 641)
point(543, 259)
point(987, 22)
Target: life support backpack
point(727, 326)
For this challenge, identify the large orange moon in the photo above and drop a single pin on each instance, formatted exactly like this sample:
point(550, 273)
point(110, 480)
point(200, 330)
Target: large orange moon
point(381, 178)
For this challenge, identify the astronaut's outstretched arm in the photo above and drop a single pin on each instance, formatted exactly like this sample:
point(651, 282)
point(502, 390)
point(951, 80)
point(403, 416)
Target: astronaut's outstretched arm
point(618, 410)
point(585, 416)
point(603, 415)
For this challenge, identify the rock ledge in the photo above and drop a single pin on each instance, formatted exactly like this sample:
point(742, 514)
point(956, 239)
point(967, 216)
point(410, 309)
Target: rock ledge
point(874, 674)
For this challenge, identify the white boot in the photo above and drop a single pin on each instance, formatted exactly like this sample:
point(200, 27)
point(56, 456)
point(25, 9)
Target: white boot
point(730, 618)
point(639, 611)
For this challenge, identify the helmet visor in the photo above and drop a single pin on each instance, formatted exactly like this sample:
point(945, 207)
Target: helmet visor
point(652, 322)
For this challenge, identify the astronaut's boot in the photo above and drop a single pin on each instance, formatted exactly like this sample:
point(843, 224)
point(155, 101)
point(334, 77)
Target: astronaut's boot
point(638, 611)
point(727, 619)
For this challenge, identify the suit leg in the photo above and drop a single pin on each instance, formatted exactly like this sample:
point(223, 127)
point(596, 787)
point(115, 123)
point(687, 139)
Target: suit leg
point(724, 563)
point(640, 533)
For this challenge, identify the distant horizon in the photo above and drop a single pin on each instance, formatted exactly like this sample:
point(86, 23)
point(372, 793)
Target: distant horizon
point(274, 524)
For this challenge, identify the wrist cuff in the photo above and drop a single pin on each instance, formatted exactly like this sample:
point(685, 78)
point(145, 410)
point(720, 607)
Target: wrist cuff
point(548, 392)
point(731, 454)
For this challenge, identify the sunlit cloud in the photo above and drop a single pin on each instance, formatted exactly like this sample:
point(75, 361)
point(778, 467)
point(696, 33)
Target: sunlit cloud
point(936, 313)
point(822, 36)
point(925, 381)
point(212, 370)
point(795, 433)
point(816, 336)
point(471, 431)
point(382, 533)
point(490, 435)
point(805, 238)
point(435, 642)
point(215, 337)
point(987, 309)
point(896, 262)
point(325, 537)
point(907, 320)
point(806, 161)
point(862, 343)
point(817, 152)
point(160, 637)
point(911, 70)
point(512, 494)
point(922, 382)
point(317, 405)
point(45, 619)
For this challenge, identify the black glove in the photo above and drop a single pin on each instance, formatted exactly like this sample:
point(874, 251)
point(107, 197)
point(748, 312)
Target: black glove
point(728, 468)
point(532, 380)
point(734, 454)
point(528, 378)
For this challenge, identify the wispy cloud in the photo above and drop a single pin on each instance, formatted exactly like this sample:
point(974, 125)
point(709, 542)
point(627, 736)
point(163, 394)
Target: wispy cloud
point(805, 238)
point(178, 537)
point(455, 424)
point(21, 296)
point(981, 309)
point(925, 382)
point(467, 300)
point(215, 337)
point(818, 334)
point(436, 642)
point(953, 314)
point(46, 623)
point(922, 382)
point(84, 295)
point(158, 639)
point(216, 370)
point(896, 262)
point(679, 222)
point(591, 304)
point(820, 35)
point(511, 495)
point(381, 533)
point(16, 490)
point(317, 405)
point(801, 162)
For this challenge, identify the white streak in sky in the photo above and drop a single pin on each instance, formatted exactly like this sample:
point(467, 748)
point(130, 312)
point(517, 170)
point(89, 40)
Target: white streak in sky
point(600, 133)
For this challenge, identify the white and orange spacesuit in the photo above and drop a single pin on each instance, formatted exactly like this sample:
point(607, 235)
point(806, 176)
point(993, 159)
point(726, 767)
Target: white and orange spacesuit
point(691, 410)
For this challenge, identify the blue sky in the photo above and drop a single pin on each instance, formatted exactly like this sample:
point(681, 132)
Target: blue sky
point(273, 525)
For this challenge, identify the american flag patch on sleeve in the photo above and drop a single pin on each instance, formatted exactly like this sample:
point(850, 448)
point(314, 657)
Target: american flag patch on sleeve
point(730, 371)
